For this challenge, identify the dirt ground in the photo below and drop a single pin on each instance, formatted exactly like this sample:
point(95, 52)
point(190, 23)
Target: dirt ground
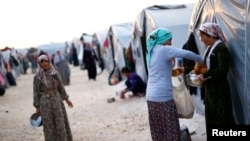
point(92, 118)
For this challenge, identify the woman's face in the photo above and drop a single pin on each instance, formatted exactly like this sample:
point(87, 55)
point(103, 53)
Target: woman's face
point(44, 64)
point(207, 40)
point(169, 42)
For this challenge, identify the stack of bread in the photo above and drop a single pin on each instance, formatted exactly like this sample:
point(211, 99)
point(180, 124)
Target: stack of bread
point(199, 69)
point(177, 71)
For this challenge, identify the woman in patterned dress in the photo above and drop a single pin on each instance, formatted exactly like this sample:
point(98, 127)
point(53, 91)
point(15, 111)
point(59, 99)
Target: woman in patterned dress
point(163, 116)
point(49, 93)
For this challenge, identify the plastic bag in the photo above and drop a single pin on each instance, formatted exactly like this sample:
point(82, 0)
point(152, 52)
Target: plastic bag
point(182, 98)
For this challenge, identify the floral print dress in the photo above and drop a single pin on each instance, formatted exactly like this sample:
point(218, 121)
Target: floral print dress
point(50, 101)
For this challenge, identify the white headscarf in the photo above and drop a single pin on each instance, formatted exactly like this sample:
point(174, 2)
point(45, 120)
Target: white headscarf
point(212, 29)
point(42, 72)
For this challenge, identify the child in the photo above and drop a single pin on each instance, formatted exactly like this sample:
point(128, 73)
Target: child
point(134, 83)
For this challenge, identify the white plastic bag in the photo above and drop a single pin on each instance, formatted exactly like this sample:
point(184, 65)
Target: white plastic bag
point(182, 98)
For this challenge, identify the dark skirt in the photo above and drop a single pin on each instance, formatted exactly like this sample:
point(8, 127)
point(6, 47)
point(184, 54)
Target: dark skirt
point(163, 121)
point(91, 68)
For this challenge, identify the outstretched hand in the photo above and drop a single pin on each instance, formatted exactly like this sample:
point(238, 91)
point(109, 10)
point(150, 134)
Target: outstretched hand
point(38, 111)
point(70, 104)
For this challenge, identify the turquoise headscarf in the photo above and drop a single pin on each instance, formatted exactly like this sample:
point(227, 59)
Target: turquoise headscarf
point(158, 36)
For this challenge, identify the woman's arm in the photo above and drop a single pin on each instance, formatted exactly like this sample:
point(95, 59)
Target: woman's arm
point(36, 96)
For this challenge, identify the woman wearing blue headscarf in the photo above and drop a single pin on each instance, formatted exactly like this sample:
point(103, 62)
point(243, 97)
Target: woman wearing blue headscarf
point(163, 116)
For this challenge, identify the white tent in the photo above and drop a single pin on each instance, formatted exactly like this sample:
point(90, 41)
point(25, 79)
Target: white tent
point(119, 37)
point(174, 17)
point(99, 38)
point(233, 17)
point(87, 38)
point(52, 48)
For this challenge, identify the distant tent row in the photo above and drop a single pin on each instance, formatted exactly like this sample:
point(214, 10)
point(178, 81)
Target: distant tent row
point(10, 68)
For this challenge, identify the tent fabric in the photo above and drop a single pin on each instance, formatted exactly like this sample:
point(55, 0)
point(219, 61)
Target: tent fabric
point(156, 16)
point(233, 17)
point(99, 37)
point(119, 37)
point(52, 48)
point(6, 48)
point(87, 38)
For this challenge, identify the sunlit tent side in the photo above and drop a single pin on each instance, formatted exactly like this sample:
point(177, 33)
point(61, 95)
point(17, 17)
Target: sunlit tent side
point(233, 17)
point(98, 42)
point(174, 17)
point(119, 37)
point(87, 38)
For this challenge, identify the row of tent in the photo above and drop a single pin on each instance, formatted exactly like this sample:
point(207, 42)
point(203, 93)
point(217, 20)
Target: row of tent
point(113, 45)
point(183, 20)
point(10, 68)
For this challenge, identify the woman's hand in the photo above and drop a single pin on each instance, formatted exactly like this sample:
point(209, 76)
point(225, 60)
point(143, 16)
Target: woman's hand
point(124, 91)
point(201, 78)
point(200, 68)
point(177, 71)
point(70, 104)
point(38, 111)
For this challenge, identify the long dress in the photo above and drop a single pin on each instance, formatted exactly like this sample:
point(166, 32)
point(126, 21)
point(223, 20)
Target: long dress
point(90, 62)
point(218, 103)
point(49, 99)
point(74, 57)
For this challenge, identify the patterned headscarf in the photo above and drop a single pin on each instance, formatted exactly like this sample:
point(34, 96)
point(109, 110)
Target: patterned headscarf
point(42, 72)
point(212, 29)
point(158, 36)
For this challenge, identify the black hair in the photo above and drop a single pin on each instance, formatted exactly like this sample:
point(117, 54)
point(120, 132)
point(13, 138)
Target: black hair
point(42, 53)
point(126, 70)
point(202, 32)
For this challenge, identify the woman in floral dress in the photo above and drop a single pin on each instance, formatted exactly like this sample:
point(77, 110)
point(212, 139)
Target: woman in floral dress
point(49, 94)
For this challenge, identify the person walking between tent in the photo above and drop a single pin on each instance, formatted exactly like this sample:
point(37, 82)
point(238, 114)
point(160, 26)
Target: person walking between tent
point(90, 59)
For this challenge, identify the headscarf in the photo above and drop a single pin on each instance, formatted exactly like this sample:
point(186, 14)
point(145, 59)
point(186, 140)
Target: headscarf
point(158, 36)
point(212, 29)
point(42, 72)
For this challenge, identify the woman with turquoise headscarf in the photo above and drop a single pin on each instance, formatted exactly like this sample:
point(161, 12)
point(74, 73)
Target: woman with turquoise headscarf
point(163, 116)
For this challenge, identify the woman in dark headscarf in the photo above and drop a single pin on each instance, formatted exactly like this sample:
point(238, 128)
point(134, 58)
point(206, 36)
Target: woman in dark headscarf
point(49, 94)
point(163, 116)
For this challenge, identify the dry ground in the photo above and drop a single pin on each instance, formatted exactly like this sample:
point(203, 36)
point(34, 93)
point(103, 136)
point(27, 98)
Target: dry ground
point(91, 119)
